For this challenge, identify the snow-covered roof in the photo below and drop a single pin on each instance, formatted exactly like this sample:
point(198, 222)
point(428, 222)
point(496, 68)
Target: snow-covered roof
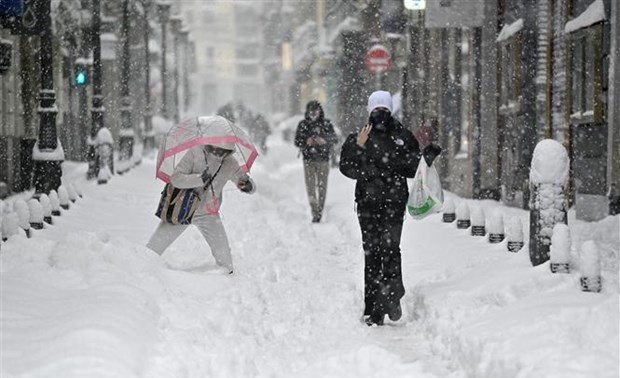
point(595, 13)
point(509, 31)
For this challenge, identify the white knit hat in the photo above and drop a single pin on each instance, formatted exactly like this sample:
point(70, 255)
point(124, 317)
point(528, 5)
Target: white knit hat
point(379, 99)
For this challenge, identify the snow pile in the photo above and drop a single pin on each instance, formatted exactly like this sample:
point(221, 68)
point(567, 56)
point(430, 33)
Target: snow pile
point(79, 308)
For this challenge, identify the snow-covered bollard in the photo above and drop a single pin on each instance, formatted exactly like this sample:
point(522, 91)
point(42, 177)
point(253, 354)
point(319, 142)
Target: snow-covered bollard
point(548, 200)
point(477, 221)
point(23, 215)
point(560, 249)
point(10, 225)
point(46, 205)
point(71, 192)
point(105, 157)
point(36, 214)
point(590, 267)
point(496, 227)
point(63, 197)
point(514, 234)
point(55, 202)
point(448, 208)
point(462, 216)
point(78, 190)
point(104, 175)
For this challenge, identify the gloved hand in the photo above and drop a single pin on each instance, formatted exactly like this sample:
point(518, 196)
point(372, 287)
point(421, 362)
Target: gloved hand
point(245, 185)
point(206, 176)
point(430, 153)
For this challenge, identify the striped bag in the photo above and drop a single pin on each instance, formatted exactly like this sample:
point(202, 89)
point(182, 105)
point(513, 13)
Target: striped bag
point(177, 206)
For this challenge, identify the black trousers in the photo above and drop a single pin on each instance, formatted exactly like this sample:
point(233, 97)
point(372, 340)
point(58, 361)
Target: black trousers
point(381, 227)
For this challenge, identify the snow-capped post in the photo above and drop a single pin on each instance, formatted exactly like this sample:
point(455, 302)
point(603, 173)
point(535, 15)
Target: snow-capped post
point(477, 221)
point(496, 227)
point(23, 215)
point(560, 249)
point(63, 197)
point(590, 266)
point(71, 192)
point(78, 190)
point(448, 211)
point(46, 205)
point(105, 156)
point(514, 234)
point(548, 202)
point(10, 225)
point(55, 203)
point(462, 216)
point(36, 214)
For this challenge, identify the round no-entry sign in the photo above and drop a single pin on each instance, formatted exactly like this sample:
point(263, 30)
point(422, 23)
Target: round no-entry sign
point(378, 59)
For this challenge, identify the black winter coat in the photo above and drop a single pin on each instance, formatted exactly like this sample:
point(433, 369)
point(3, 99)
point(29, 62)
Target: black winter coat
point(382, 166)
point(320, 128)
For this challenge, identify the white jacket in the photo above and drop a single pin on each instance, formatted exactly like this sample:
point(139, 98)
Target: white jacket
point(187, 174)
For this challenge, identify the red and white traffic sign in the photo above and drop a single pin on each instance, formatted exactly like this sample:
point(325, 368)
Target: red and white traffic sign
point(378, 59)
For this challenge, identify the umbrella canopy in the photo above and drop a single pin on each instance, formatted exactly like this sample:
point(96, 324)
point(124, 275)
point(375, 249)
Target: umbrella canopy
point(213, 130)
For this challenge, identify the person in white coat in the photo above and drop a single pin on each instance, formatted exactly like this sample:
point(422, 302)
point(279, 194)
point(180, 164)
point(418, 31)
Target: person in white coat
point(206, 168)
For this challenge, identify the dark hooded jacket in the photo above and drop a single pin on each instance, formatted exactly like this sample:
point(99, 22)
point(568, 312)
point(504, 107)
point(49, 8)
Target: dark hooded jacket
point(382, 166)
point(321, 127)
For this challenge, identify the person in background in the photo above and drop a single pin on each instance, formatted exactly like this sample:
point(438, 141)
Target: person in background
point(380, 157)
point(315, 136)
point(259, 132)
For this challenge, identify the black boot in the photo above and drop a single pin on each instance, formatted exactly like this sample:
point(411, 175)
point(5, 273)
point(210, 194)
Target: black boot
point(395, 312)
point(374, 319)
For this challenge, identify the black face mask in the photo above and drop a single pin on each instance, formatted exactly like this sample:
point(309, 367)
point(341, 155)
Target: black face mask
point(379, 120)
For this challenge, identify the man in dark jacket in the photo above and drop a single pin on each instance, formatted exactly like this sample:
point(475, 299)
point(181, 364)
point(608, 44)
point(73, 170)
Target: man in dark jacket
point(380, 157)
point(315, 137)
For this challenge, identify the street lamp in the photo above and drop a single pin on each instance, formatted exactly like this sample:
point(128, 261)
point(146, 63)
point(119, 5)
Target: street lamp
point(47, 153)
point(126, 130)
point(163, 8)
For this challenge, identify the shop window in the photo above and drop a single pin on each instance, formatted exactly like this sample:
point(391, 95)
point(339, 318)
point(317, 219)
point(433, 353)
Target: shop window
point(586, 69)
point(510, 75)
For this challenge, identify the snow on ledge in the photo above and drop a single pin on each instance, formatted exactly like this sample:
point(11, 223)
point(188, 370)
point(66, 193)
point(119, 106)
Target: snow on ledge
point(509, 31)
point(595, 13)
point(52, 155)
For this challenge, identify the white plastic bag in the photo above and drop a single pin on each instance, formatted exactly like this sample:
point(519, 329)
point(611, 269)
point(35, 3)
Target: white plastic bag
point(426, 196)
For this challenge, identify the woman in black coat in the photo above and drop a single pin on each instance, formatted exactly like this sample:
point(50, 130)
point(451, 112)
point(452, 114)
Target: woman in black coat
point(380, 157)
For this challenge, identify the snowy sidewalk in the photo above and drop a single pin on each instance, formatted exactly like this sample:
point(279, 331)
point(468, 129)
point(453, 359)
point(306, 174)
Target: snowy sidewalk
point(86, 298)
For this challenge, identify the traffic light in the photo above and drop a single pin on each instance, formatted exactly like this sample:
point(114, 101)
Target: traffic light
point(80, 75)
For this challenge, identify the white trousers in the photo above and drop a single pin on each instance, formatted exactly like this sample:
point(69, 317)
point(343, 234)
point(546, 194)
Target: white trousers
point(211, 228)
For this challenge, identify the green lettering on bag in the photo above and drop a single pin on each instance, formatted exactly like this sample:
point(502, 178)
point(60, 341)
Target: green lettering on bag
point(424, 208)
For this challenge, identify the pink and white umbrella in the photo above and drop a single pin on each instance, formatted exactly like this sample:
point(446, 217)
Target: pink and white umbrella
point(213, 130)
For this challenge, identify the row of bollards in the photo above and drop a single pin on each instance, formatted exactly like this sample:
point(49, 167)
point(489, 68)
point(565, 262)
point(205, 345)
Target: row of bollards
point(31, 214)
point(473, 217)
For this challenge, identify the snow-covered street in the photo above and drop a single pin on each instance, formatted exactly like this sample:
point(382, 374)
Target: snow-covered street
point(86, 298)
